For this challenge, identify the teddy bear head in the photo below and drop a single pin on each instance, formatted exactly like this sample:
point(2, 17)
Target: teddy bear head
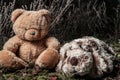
point(31, 25)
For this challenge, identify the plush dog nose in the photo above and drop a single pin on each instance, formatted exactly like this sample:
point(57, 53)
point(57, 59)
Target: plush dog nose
point(32, 33)
point(74, 61)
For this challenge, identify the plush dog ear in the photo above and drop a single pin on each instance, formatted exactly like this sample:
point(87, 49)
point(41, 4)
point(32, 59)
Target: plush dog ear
point(15, 14)
point(46, 14)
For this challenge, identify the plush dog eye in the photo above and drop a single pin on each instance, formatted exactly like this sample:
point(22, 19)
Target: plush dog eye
point(65, 55)
point(80, 44)
point(93, 44)
point(86, 57)
point(88, 48)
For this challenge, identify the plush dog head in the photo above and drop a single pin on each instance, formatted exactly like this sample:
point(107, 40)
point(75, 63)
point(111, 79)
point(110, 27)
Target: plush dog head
point(75, 60)
point(86, 55)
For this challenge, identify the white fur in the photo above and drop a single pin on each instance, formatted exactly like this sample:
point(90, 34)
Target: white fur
point(91, 53)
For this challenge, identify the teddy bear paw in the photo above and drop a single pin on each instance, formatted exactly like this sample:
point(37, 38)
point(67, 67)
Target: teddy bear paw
point(48, 58)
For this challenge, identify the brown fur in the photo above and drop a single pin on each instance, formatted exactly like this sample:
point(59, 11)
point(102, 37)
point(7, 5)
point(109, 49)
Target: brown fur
point(30, 44)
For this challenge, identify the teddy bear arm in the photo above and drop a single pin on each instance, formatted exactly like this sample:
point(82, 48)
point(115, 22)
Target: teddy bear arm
point(12, 44)
point(49, 57)
point(52, 42)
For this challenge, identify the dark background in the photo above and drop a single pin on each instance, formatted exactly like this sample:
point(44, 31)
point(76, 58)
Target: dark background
point(70, 18)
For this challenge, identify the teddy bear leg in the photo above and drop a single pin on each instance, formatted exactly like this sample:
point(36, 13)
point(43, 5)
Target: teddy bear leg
point(48, 59)
point(10, 60)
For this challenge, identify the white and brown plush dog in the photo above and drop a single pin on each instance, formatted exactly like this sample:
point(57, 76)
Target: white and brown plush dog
point(86, 56)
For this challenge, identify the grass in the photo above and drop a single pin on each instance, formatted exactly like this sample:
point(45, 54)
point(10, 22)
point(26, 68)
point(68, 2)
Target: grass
point(32, 74)
point(28, 74)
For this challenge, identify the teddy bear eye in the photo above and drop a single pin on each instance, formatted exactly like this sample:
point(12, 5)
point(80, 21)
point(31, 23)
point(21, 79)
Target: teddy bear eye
point(25, 28)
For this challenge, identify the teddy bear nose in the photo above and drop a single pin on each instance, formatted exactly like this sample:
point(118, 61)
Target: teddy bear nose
point(32, 33)
point(74, 61)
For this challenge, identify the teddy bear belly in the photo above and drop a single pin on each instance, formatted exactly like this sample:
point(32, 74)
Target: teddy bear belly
point(29, 52)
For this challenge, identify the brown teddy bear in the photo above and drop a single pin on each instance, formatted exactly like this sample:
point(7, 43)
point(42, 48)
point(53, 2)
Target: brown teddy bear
point(30, 45)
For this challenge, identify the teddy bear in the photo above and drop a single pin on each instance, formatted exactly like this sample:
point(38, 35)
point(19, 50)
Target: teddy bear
point(86, 56)
point(31, 44)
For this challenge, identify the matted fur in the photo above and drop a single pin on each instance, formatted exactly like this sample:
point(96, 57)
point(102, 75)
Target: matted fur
point(86, 55)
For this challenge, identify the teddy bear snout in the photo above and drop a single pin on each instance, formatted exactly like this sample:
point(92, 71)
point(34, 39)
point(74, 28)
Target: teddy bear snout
point(32, 33)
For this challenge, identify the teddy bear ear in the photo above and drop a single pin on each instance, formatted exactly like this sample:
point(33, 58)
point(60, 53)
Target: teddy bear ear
point(15, 14)
point(46, 14)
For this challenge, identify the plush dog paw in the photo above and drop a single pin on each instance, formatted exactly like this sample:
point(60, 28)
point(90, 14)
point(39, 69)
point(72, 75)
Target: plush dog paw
point(48, 58)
